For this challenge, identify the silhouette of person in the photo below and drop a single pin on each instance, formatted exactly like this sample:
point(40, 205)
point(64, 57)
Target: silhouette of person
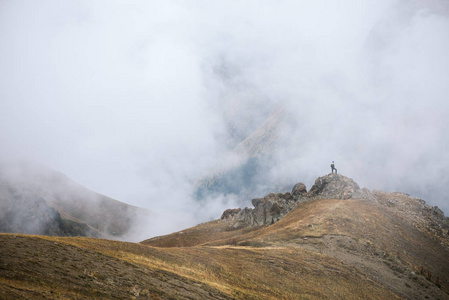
point(333, 168)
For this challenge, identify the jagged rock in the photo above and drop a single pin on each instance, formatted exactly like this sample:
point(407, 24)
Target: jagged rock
point(298, 190)
point(229, 213)
point(266, 211)
point(336, 186)
point(272, 208)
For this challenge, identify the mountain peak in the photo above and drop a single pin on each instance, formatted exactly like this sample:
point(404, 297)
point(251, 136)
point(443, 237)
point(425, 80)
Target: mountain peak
point(337, 186)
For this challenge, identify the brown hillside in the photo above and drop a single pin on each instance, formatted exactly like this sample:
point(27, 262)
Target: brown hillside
point(37, 267)
point(395, 240)
point(78, 268)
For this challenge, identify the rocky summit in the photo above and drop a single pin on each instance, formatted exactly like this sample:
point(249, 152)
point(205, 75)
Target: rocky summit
point(275, 206)
point(336, 186)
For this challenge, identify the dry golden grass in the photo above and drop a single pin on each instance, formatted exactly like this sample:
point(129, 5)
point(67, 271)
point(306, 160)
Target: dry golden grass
point(237, 272)
point(199, 235)
point(67, 268)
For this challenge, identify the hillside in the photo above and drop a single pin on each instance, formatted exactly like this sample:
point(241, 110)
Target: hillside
point(392, 239)
point(37, 200)
point(335, 241)
point(78, 268)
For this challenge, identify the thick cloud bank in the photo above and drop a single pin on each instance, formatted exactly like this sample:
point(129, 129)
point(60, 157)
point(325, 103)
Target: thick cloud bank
point(137, 99)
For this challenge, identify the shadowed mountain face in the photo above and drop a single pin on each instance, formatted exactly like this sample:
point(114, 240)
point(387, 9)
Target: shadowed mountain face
point(36, 200)
point(23, 211)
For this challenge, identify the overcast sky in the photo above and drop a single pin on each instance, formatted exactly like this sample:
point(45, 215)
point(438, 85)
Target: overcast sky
point(130, 98)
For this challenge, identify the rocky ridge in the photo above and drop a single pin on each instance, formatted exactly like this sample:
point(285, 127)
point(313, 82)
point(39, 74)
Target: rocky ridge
point(274, 206)
point(336, 186)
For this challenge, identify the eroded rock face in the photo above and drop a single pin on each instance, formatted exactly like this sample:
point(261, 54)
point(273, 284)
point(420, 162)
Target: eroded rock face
point(230, 213)
point(267, 210)
point(272, 208)
point(336, 186)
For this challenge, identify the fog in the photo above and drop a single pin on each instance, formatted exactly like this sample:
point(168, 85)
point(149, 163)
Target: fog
point(136, 99)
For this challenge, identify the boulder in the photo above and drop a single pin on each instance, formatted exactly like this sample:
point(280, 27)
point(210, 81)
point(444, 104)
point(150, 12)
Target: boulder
point(298, 190)
point(336, 186)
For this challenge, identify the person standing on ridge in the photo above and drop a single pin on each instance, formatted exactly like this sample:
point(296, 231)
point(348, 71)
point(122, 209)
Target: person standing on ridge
point(333, 168)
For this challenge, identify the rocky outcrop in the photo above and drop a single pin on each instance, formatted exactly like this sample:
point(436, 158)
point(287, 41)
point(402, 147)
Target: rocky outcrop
point(230, 213)
point(273, 207)
point(299, 190)
point(267, 210)
point(336, 186)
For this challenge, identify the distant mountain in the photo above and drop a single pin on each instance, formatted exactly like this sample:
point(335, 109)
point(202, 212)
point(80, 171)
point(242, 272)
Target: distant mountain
point(37, 200)
point(243, 174)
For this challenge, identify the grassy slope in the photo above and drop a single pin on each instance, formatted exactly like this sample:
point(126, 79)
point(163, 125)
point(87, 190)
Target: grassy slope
point(37, 266)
